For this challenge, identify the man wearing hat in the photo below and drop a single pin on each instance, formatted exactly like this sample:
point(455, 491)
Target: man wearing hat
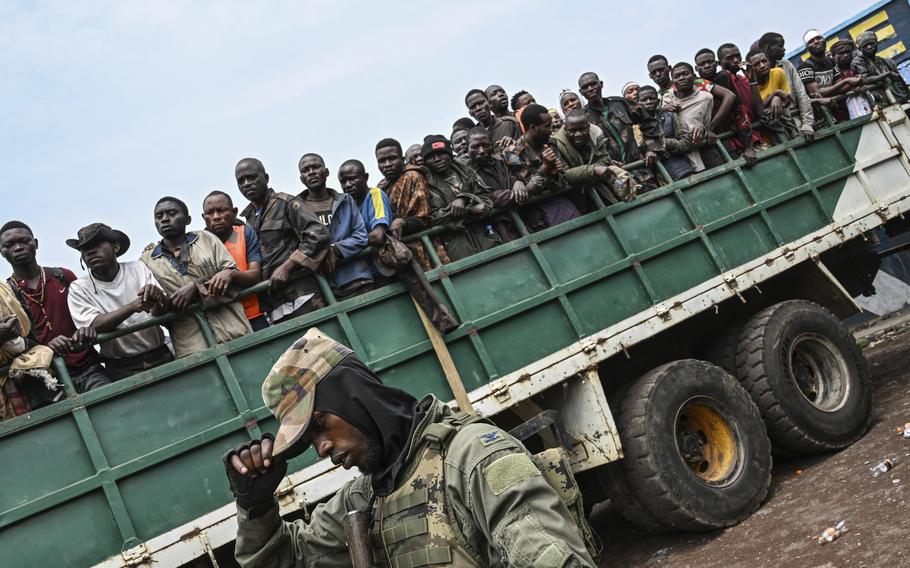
point(817, 71)
point(439, 487)
point(886, 85)
point(114, 295)
point(854, 103)
point(459, 199)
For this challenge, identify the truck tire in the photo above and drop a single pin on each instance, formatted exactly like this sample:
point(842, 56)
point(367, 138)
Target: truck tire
point(807, 375)
point(615, 483)
point(722, 351)
point(697, 456)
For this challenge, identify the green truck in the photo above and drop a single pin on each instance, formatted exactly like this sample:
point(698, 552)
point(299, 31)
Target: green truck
point(595, 335)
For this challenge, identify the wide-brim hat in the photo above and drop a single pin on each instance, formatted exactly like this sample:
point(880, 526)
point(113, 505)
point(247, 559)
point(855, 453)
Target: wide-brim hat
point(289, 390)
point(96, 232)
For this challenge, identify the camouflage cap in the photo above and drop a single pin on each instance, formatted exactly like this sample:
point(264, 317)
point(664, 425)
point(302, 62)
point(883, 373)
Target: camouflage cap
point(289, 390)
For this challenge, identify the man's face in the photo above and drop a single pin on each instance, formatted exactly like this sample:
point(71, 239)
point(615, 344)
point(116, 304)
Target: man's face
point(170, 221)
point(761, 65)
point(460, 142)
point(731, 59)
point(525, 99)
point(479, 147)
point(100, 255)
point(556, 121)
point(590, 87)
point(439, 162)
point(18, 247)
point(498, 98)
point(540, 133)
point(479, 108)
point(706, 64)
point(648, 100)
point(335, 438)
point(252, 181)
point(353, 181)
point(868, 48)
point(313, 172)
point(578, 131)
point(776, 50)
point(219, 215)
point(843, 57)
point(390, 162)
point(631, 93)
point(816, 46)
point(570, 102)
point(659, 71)
point(412, 155)
point(683, 78)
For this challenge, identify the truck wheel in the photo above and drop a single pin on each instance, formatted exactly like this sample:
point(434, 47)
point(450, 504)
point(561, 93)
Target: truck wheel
point(722, 351)
point(615, 483)
point(807, 375)
point(696, 453)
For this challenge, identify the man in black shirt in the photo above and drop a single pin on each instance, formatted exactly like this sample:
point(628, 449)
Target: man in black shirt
point(479, 108)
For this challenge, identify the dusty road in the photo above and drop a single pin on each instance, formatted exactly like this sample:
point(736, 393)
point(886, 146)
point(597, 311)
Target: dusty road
point(807, 495)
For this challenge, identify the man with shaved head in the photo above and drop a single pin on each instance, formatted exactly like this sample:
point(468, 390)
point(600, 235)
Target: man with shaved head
point(499, 101)
point(373, 202)
point(291, 240)
point(347, 231)
point(588, 163)
point(615, 116)
point(480, 109)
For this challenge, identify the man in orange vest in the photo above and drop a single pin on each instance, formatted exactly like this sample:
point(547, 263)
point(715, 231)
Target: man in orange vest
point(242, 242)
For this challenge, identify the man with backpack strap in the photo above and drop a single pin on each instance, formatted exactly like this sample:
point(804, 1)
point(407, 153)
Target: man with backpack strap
point(45, 291)
point(438, 487)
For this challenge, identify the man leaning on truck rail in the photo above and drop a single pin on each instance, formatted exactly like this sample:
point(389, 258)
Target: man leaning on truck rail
point(439, 487)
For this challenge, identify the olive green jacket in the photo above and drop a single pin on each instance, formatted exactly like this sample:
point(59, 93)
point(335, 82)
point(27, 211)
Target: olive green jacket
point(506, 510)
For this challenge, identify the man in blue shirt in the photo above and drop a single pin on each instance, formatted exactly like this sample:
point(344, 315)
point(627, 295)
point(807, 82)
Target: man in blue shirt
point(373, 202)
point(337, 211)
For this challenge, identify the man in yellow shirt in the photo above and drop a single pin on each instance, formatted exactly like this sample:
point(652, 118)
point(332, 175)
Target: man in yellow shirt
point(774, 90)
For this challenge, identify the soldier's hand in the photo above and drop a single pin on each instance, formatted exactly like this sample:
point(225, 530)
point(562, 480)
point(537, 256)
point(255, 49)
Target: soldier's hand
point(252, 472)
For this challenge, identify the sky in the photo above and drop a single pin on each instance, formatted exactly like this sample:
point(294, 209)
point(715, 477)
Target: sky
point(109, 105)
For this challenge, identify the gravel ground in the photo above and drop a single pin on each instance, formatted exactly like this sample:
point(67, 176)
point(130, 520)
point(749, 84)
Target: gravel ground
point(806, 496)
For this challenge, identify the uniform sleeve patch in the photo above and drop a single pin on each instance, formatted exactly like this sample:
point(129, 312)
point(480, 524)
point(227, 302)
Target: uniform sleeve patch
point(509, 470)
point(490, 437)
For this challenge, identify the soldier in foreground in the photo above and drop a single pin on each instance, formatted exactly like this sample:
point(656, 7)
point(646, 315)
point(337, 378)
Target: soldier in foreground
point(439, 487)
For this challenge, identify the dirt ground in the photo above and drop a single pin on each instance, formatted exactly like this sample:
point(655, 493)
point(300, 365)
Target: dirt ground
point(806, 496)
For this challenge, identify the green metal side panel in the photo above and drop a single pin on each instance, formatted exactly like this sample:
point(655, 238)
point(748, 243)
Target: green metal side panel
point(101, 472)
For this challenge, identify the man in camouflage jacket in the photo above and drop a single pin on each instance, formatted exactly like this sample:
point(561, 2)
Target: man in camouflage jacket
point(442, 488)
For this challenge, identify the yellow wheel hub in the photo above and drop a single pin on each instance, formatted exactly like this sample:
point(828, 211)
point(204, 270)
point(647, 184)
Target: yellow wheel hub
point(706, 442)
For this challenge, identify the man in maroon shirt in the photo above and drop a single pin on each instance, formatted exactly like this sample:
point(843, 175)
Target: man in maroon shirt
point(44, 291)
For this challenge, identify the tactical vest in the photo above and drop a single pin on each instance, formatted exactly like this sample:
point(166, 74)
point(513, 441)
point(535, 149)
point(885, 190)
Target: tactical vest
point(411, 526)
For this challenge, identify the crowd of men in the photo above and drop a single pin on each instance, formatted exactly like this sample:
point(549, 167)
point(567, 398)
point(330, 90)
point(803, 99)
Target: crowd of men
point(514, 167)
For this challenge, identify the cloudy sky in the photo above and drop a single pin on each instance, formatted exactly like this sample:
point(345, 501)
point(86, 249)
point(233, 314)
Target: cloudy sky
point(108, 105)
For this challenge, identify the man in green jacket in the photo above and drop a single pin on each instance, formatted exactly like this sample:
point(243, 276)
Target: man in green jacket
point(459, 199)
point(441, 488)
point(588, 163)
